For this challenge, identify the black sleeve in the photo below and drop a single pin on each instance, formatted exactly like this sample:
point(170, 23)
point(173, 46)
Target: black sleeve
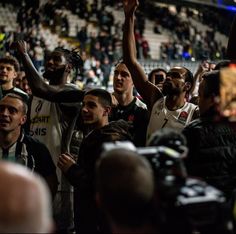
point(66, 96)
point(140, 127)
point(43, 160)
point(231, 48)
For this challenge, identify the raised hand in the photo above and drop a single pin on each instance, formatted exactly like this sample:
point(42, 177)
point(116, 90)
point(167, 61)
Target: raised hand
point(20, 46)
point(130, 6)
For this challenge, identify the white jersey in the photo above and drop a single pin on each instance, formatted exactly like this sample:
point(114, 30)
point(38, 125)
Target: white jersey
point(45, 125)
point(48, 125)
point(162, 117)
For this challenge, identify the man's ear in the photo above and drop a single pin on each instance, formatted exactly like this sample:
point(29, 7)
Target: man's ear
point(23, 120)
point(107, 110)
point(68, 68)
point(15, 75)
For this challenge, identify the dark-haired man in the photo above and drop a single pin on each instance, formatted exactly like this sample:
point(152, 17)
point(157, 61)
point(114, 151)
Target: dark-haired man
point(125, 191)
point(157, 76)
point(9, 67)
point(172, 110)
point(211, 139)
point(50, 122)
point(95, 111)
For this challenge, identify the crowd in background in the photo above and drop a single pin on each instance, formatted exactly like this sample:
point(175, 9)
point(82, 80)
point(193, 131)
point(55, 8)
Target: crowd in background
point(59, 118)
point(103, 49)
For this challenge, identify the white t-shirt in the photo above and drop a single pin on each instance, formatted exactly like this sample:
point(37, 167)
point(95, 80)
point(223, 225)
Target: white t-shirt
point(162, 117)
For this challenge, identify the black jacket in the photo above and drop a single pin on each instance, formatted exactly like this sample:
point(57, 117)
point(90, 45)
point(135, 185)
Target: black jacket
point(82, 175)
point(212, 151)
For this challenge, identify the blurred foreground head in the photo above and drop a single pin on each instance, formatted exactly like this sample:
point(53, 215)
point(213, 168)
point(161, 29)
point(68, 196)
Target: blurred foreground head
point(25, 201)
point(125, 188)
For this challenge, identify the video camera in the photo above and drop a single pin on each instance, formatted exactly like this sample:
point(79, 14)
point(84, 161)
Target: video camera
point(183, 205)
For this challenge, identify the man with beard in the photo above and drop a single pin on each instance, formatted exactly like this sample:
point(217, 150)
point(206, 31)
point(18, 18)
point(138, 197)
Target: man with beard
point(129, 107)
point(171, 111)
point(50, 122)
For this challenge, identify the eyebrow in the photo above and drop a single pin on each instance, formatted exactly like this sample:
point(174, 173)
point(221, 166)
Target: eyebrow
point(8, 106)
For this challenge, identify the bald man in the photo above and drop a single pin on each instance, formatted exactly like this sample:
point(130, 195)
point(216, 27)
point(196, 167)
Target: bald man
point(25, 201)
point(125, 189)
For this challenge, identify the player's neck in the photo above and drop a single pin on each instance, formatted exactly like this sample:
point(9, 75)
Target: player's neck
point(124, 99)
point(174, 102)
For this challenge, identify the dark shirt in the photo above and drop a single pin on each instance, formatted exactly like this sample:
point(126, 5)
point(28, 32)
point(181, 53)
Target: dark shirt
point(136, 114)
point(17, 91)
point(212, 151)
point(82, 175)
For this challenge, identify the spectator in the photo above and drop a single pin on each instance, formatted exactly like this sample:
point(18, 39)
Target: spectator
point(25, 86)
point(157, 76)
point(211, 140)
point(25, 206)
point(9, 66)
point(172, 110)
point(106, 70)
point(18, 147)
point(95, 111)
point(124, 190)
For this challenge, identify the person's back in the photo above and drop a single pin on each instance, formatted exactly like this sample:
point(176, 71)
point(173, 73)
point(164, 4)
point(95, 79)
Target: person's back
point(25, 201)
point(211, 140)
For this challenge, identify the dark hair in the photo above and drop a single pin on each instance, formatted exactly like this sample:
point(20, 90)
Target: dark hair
point(222, 64)
point(103, 95)
point(125, 182)
point(154, 71)
point(170, 138)
point(72, 56)
point(11, 60)
point(212, 83)
point(189, 78)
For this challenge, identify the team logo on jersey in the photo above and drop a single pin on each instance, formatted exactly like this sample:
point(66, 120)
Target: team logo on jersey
point(183, 117)
point(39, 106)
point(130, 118)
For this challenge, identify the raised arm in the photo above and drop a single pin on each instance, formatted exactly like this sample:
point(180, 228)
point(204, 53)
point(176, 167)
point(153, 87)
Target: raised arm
point(149, 92)
point(231, 48)
point(37, 84)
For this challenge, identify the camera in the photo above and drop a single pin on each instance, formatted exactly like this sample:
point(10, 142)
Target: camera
point(182, 204)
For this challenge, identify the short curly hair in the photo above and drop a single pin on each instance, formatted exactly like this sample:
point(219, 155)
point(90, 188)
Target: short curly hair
point(11, 60)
